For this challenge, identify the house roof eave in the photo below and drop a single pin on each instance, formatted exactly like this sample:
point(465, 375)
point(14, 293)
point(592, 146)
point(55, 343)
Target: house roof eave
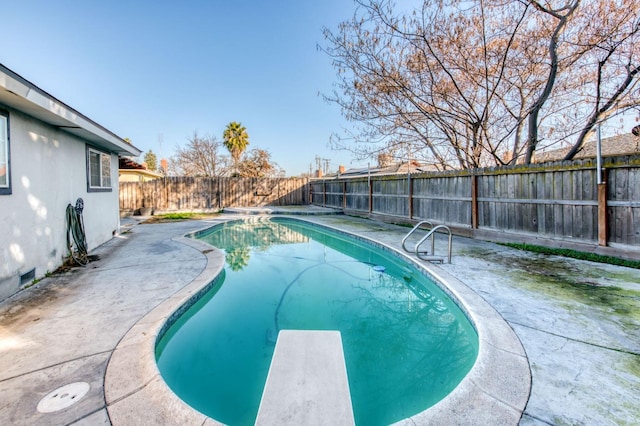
point(24, 96)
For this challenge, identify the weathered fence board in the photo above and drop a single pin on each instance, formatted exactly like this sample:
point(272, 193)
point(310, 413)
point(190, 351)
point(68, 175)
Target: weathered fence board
point(317, 193)
point(334, 194)
point(559, 203)
point(193, 193)
point(357, 193)
point(558, 200)
point(624, 205)
point(443, 199)
point(390, 196)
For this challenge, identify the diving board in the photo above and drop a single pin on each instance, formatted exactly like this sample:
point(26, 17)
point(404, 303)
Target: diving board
point(307, 382)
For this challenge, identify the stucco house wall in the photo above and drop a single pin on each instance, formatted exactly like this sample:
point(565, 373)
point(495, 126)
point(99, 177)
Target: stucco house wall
point(48, 171)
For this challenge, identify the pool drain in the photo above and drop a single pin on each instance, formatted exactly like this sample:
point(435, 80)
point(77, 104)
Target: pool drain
point(63, 397)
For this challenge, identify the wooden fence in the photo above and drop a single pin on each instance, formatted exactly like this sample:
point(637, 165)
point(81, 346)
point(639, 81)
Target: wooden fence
point(554, 200)
point(193, 193)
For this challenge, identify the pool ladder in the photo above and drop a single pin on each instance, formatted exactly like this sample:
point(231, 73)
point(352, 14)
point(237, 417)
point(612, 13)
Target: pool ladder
point(426, 255)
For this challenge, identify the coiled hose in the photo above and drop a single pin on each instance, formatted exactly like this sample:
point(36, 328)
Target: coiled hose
point(75, 232)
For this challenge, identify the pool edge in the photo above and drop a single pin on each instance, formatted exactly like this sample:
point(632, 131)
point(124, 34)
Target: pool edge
point(495, 391)
point(135, 392)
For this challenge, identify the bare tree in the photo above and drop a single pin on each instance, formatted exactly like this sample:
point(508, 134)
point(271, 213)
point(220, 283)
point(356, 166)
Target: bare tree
point(441, 80)
point(464, 84)
point(561, 15)
point(257, 163)
point(200, 158)
point(611, 37)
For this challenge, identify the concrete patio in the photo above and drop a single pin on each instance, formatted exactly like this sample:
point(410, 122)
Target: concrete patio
point(578, 322)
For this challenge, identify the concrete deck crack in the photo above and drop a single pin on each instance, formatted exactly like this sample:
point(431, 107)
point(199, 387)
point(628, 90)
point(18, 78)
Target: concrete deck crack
point(537, 418)
point(477, 383)
point(56, 364)
point(625, 351)
point(136, 390)
point(87, 415)
point(563, 344)
point(508, 351)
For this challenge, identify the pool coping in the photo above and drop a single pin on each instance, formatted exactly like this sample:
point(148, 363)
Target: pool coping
point(495, 391)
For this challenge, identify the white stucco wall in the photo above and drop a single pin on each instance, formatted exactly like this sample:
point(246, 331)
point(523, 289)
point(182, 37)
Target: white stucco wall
point(48, 171)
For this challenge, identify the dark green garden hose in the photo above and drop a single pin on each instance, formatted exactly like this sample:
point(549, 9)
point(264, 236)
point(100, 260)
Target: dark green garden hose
point(75, 232)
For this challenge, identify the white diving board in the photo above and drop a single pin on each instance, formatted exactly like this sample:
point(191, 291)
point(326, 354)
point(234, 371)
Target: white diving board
point(307, 382)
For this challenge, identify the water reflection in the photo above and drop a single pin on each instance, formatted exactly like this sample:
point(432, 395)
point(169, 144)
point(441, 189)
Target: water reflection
point(237, 258)
point(239, 239)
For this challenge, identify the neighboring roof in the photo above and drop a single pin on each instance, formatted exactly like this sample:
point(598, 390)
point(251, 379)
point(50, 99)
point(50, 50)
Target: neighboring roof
point(127, 165)
point(24, 96)
point(393, 169)
point(626, 144)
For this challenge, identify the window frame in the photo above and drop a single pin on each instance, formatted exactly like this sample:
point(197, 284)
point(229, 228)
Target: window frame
point(6, 189)
point(101, 155)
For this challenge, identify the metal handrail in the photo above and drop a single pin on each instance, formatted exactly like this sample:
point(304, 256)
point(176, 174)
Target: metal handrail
point(430, 234)
point(415, 228)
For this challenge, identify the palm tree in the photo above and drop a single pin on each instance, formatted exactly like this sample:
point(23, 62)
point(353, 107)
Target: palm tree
point(236, 140)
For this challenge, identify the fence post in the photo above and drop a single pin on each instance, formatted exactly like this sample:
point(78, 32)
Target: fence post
point(278, 189)
point(141, 192)
point(410, 183)
point(603, 229)
point(344, 195)
point(370, 195)
point(474, 201)
point(164, 199)
point(324, 193)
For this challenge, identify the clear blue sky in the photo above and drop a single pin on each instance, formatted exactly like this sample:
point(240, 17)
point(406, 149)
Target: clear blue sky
point(156, 71)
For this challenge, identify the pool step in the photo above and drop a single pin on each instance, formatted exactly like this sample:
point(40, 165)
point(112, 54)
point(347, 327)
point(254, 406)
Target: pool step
point(307, 382)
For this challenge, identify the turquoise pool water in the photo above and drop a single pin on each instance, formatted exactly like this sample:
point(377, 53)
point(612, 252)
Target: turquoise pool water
point(407, 345)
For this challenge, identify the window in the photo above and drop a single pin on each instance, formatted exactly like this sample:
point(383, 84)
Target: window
point(5, 175)
point(98, 171)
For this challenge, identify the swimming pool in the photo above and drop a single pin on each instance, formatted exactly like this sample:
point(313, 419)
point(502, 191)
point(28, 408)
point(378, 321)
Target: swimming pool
point(407, 345)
